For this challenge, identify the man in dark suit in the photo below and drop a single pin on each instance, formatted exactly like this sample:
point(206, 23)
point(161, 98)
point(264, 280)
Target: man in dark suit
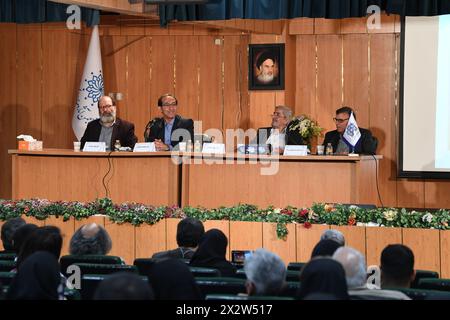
point(109, 128)
point(279, 135)
point(171, 128)
point(367, 144)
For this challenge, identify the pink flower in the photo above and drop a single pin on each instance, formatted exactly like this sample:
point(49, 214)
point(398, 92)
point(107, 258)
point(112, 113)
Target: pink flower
point(307, 225)
point(303, 212)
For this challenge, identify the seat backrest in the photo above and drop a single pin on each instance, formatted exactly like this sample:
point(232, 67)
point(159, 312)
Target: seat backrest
point(434, 284)
point(7, 256)
point(66, 261)
point(144, 265)
point(421, 294)
point(220, 285)
point(204, 272)
point(90, 282)
point(7, 265)
point(99, 268)
point(423, 274)
point(295, 266)
point(6, 278)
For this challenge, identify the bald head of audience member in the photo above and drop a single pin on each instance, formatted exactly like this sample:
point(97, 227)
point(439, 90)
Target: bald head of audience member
point(90, 239)
point(354, 266)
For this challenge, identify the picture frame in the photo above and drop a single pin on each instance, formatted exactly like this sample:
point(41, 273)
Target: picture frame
point(266, 66)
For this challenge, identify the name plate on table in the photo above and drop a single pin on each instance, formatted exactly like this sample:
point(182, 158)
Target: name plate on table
point(144, 147)
point(294, 150)
point(94, 147)
point(213, 148)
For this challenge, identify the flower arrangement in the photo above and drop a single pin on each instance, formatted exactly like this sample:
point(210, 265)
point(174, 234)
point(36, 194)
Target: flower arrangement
point(319, 213)
point(306, 127)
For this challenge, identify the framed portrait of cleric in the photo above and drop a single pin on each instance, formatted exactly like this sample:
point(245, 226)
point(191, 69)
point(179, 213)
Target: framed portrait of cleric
point(266, 66)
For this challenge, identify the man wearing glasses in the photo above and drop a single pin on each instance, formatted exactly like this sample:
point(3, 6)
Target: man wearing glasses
point(109, 128)
point(277, 136)
point(171, 128)
point(367, 144)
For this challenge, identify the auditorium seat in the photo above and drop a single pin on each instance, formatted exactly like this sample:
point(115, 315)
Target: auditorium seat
point(421, 294)
point(222, 285)
point(295, 266)
point(291, 275)
point(7, 256)
point(90, 282)
point(423, 274)
point(6, 278)
point(204, 272)
point(434, 284)
point(7, 265)
point(66, 261)
point(99, 268)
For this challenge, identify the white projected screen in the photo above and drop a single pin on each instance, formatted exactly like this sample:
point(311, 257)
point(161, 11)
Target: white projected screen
point(425, 148)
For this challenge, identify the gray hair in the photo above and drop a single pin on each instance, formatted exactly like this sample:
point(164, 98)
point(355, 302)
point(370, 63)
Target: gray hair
point(266, 271)
point(354, 266)
point(334, 235)
point(286, 111)
point(90, 239)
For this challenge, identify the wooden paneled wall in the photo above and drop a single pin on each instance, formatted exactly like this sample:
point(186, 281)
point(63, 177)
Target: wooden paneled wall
point(328, 63)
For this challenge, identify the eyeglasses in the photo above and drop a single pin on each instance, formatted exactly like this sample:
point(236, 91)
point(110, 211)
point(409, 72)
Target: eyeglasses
point(105, 107)
point(337, 120)
point(171, 104)
point(277, 114)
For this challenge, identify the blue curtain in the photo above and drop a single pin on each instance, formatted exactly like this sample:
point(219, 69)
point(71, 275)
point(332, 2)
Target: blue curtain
point(38, 11)
point(287, 9)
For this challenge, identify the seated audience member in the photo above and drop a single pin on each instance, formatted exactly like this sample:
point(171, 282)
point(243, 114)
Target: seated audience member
point(22, 234)
point(189, 232)
point(211, 253)
point(46, 238)
point(90, 239)
point(397, 267)
point(37, 279)
point(325, 248)
point(109, 128)
point(8, 230)
point(171, 279)
point(367, 144)
point(332, 234)
point(171, 128)
point(124, 286)
point(278, 134)
point(356, 275)
point(323, 276)
point(266, 273)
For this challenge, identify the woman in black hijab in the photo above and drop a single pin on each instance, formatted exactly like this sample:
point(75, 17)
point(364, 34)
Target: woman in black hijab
point(37, 279)
point(323, 276)
point(211, 253)
point(171, 279)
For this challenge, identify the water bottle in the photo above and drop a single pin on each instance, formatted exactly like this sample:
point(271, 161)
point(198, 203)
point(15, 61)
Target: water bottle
point(189, 146)
point(117, 145)
point(329, 150)
point(197, 146)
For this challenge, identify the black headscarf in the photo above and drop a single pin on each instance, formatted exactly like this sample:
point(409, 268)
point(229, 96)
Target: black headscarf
point(37, 279)
point(325, 248)
point(171, 279)
point(211, 253)
point(323, 276)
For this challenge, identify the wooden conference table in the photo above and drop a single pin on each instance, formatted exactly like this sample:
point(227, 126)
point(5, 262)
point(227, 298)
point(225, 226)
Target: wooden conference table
point(195, 179)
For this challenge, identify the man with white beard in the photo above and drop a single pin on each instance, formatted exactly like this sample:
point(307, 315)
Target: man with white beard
point(266, 68)
point(108, 128)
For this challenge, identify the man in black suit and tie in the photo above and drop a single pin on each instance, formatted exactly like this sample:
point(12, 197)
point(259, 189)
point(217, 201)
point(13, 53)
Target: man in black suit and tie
point(166, 132)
